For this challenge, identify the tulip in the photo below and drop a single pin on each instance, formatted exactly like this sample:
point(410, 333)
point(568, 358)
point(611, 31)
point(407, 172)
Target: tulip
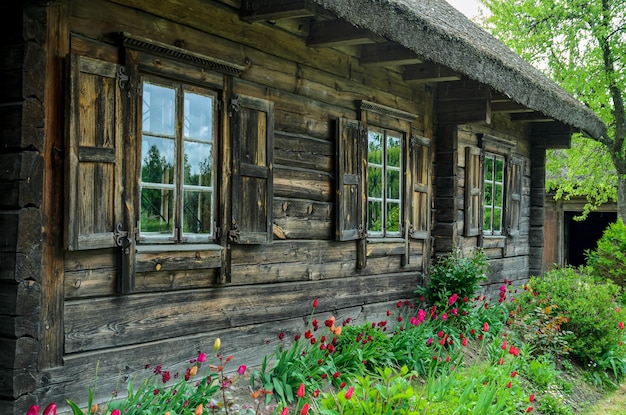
point(350, 392)
point(217, 344)
point(117, 412)
point(301, 391)
point(305, 409)
point(202, 357)
point(198, 410)
point(94, 408)
point(50, 409)
point(621, 325)
point(242, 369)
point(33, 410)
point(486, 327)
point(285, 411)
point(315, 303)
point(529, 409)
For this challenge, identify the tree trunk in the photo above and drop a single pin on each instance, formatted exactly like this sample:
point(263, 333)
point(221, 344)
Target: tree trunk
point(621, 196)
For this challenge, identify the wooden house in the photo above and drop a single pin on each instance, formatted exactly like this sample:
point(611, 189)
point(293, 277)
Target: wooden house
point(175, 171)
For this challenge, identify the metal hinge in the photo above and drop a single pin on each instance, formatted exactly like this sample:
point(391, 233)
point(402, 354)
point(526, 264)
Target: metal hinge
point(121, 238)
point(234, 106)
point(233, 234)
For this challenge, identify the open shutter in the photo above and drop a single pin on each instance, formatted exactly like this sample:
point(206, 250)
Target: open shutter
point(94, 164)
point(473, 186)
point(420, 188)
point(514, 199)
point(252, 180)
point(351, 179)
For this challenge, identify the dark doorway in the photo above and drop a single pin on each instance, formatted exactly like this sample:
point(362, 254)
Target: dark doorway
point(580, 236)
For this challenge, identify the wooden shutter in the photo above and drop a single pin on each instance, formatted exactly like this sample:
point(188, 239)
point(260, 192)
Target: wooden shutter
point(94, 162)
point(351, 182)
point(514, 196)
point(473, 187)
point(252, 180)
point(420, 188)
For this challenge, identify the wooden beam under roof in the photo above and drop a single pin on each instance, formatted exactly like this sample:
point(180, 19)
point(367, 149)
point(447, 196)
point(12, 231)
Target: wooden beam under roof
point(428, 72)
point(267, 10)
point(534, 116)
point(329, 33)
point(462, 102)
point(551, 135)
point(387, 53)
point(509, 107)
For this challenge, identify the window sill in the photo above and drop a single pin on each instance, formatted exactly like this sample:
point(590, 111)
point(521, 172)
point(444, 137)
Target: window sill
point(389, 240)
point(177, 257)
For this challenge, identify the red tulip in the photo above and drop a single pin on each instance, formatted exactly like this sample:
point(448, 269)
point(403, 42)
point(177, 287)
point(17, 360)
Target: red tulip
point(350, 392)
point(50, 409)
point(116, 412)
point(305, 409)
point(33, 410)
point(301, 391)
point(486, 327)
point(285, 411)
point(315, 303)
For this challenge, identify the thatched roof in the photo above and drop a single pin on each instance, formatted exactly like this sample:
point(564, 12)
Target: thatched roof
point(436, 31)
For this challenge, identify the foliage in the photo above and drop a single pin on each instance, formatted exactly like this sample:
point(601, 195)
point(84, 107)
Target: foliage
point(589, 305)
point(387, 391)
point(608, 260)
point(455, 274)
point(580, 45)
point(412, 362)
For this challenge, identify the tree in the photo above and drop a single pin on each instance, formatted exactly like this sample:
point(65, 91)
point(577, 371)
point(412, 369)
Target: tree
point(581, 45)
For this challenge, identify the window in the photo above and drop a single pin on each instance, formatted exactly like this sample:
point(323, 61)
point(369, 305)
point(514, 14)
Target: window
point(493, 206)
point(384, 182)
point(493, 189)
point(177, 186)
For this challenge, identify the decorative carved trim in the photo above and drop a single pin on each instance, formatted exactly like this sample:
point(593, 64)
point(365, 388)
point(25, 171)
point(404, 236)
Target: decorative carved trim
point(184, 55)
point(384, 110)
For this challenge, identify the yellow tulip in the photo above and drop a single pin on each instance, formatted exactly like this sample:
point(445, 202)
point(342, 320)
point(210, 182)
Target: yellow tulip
point(193, 371)
point(217, 344)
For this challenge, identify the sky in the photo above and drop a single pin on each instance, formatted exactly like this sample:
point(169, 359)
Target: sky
point(467, 7)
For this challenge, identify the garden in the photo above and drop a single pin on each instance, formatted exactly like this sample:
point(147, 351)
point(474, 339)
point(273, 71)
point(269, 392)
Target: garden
point(551, 346)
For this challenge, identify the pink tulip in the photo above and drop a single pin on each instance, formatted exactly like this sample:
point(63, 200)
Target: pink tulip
point(33, 410)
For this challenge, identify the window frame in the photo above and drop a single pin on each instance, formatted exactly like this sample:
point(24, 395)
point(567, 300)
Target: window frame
point(495, 184)
point(511, 184)
point(178, 235)
point(384, 200)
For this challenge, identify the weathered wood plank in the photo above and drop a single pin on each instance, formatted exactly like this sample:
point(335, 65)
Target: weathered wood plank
point(304, 219)
point(15, 383)
point(21, 124)
point(109, 322)
point(303, 184)
point(298, 150)
point(176, 280)
point(22, 182)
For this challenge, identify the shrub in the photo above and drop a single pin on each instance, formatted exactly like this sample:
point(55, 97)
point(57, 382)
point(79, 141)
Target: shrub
point(608, 260)
point(457, 274)
point(589, 305)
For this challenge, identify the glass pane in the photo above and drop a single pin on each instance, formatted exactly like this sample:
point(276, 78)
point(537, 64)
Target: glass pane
point(488, 168)
point(499, 169)
point(393, 151)
point(157, 210)
point(374, 216)
point(393, 218)
point(157, 155)
point(487, 220)
point(197, 212)
point(393, 184)
point(497, 220)
point(488, 194)
point(198, 117)
point(375, 148)
point(499, 193)
point(198, 164)
point(374, 182)
point(159, 109)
